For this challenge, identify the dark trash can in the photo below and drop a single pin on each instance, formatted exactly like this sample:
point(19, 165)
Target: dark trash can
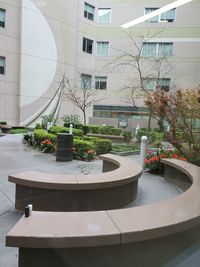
point(64, 147)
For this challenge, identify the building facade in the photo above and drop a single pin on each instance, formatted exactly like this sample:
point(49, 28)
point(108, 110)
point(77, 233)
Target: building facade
point(42, 40)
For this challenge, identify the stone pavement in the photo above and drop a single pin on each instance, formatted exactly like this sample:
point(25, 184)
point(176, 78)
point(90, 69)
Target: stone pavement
point(16, 157)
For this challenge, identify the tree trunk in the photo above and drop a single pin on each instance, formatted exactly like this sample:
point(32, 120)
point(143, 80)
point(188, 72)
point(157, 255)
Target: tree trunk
point(84, 117)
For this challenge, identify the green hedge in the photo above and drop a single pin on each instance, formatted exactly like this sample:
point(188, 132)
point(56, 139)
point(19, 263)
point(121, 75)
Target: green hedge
point(107, 130)
point(18, 130)
point(81, 148)
point(40, 135)
point(102, 146)
point(61, 129)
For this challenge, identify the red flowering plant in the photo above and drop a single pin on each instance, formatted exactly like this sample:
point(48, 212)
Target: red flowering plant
point(89, 155)
point(153, 158)
point(47, 146)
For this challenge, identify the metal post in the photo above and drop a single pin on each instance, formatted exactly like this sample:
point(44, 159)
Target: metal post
point(143, 149)
point(70, 128)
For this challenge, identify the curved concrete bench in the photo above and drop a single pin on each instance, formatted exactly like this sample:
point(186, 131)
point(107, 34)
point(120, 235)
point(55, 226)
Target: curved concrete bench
point(114, 188)
point(111, 229)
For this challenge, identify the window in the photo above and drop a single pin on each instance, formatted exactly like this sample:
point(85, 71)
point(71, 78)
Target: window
point(149, 10)
point(104, 15)
point(100, 82)
point(86, 81)
point(168, 16)
point(102, 48)
point(87, 45)
point(2, 17)
point(152, 83)
point(89, 11)
point(2, 65)
point(157, 49)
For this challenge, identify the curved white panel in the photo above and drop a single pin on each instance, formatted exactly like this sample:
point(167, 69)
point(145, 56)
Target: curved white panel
point(39, 54)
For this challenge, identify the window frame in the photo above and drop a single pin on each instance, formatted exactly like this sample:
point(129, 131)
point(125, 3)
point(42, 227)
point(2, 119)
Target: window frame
point(98, 17)
point(87, 14)
point(159, 17)
point(84, 80)
point(3, 23)
point(3, 68)
point(100, 54)
point(158, 46)
point(157, 83)
point(100, 80)
point(86, 45)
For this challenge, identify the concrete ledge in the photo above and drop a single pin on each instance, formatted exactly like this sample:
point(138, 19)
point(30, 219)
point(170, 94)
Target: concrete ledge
point(156, 226)
point(113, 138)
point(114, 188)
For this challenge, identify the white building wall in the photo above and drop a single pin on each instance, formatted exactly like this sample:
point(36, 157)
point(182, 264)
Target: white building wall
point(49, 44)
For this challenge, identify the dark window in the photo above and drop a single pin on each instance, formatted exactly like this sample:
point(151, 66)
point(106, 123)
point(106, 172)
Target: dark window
point(89, 11)
point(86, 81)
point(101, 82)
point(87, 45)
point(2, 17)
point(2, 65)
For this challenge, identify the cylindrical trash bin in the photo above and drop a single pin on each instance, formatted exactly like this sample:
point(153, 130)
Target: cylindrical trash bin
point(64, 147)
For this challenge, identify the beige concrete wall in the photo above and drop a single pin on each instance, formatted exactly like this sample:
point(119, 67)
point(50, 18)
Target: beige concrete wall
point(9, 48)
point(49, 43)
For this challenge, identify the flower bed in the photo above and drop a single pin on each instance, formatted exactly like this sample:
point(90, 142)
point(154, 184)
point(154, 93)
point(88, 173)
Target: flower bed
point(153, 158)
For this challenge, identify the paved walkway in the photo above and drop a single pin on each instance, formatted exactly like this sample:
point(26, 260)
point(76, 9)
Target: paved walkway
point(16, 157)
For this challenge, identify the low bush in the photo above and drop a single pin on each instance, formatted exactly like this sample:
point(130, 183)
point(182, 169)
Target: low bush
point(29, 139)
point(124, 147)
point(102, 146)
point(18, 130)
point(3, 123)
point(107, 130)
point(41, 135)
point(83, 150)
point(61, 129)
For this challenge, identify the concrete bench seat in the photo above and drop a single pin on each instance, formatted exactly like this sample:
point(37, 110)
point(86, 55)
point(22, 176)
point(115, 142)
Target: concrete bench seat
point(114, 188)
point(112, 229)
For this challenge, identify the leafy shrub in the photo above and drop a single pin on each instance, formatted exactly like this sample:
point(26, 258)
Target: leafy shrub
point(47, 146)
point(18, 130)
point(127, 135)
point(38, 126)
point(61, 129)
point(82, 149)
point(124, 147)
point(153, 158)
point(102, 146)
point(144, 132)
point(29, 139)
point(3, 123)
point(74, 119)
point(86, 129)
point(41, 135)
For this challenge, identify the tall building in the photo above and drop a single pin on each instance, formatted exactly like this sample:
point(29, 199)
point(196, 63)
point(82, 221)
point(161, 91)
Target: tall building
point(42, 40)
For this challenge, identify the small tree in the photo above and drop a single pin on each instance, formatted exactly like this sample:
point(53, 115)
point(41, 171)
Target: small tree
point(82, 98)
point(181, 111)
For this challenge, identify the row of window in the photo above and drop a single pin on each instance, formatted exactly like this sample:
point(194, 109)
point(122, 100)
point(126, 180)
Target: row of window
point(149, 49)
point(150, 84)
point(103, 14)
point(168, 16)
point(2, 17)
point(102, 48)
point(100, 82)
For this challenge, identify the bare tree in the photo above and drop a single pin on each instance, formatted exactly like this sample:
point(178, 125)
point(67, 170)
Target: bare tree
point(82, 97)
point(144, 68)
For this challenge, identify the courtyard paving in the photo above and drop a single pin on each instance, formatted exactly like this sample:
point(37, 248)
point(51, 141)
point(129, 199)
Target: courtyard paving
point(17, 157)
